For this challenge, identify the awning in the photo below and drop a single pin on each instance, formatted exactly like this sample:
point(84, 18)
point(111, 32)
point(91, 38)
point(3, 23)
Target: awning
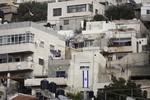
point(55, 53)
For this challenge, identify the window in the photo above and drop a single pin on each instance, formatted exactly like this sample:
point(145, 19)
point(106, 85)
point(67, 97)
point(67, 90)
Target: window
point(57, 12)
point(41, 44)
point(109, 58)
point(88, 43)
point(76, 8)
point(96, 11)
point(16, 39)
point(66, 22)
point(1, 40)
point(61, 74)
point(90, 7)
point(41, 61)
point(52, 47)
point(148, 11)
point(17, 59)
point(10, 58)
point(84, 67)
point(3, 58)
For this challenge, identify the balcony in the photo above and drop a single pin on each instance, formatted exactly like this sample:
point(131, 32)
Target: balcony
point(110, 64)
point(145, 1)
point(120, 49)
point(16, 66)
point(145, 17)
point(26, 47)
point(37, 82)
point(59, 62)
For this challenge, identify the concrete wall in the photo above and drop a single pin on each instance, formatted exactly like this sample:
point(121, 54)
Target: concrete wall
point(96, 68)
point(135, 59)
point(137, 44)
point(144, 15)
point(100, 25)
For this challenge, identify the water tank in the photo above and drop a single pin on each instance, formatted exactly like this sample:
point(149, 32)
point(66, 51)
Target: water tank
point(91, 94)
point(52, 87)
point(42, 98)
point(44, 84)
point(38, 94)
point(60, 92)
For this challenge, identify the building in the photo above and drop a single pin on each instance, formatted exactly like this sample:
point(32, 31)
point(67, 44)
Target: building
point(145, 10)
point(68, 15)
point(93, 58)
point(25, 49)
point(83, 70)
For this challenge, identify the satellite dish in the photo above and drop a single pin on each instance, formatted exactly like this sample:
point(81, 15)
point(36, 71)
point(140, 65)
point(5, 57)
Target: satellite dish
point(118, 67)
point(29, 58)
point(105, 49)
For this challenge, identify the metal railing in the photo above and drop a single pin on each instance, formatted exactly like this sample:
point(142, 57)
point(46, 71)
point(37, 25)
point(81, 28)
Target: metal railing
point(31, 24)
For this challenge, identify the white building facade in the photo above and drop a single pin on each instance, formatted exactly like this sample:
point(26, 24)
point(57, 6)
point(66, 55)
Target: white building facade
point(25, 49)
point(145, 10)
point(69, 14)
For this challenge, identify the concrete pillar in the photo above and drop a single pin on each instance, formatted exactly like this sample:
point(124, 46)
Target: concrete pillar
point(8, 80)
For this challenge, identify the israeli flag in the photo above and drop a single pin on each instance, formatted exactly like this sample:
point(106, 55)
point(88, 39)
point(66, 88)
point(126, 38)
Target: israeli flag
point(85, 78)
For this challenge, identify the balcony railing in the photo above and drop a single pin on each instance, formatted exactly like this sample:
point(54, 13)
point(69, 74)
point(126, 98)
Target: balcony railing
point(59, 62)
point(145, 1)
point(145, 17)
point(31, 24)
point(16, 66)
point(17, 48)
point(120, 49)
point(36, 82)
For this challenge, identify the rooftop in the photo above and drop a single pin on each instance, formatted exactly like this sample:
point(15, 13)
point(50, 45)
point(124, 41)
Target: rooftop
point(31, 24)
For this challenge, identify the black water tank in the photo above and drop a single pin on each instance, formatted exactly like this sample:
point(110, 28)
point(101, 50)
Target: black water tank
point(52, 87)
point(44, 84)
point(91, 94)
point(60, 92)
point(38, 94)
point(40, 97)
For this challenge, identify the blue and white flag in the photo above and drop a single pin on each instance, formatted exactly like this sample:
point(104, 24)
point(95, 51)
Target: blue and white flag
point(85, 75)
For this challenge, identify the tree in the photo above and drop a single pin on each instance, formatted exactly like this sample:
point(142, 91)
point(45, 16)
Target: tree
point(98, 17)
point(120, 88)
point(31, 11)
point(123, 11)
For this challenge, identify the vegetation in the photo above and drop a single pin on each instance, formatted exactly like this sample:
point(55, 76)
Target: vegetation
point(74, 96)
point(31, 11)
point(98, 17)
point(120, 88)
point(124, 11)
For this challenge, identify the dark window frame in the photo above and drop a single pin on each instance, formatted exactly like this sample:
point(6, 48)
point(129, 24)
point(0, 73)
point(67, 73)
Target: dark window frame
point(148, 11)
point(76, 8)
point(41, 61)
point(61, 74)
point(66, 22)
point(57, 11)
